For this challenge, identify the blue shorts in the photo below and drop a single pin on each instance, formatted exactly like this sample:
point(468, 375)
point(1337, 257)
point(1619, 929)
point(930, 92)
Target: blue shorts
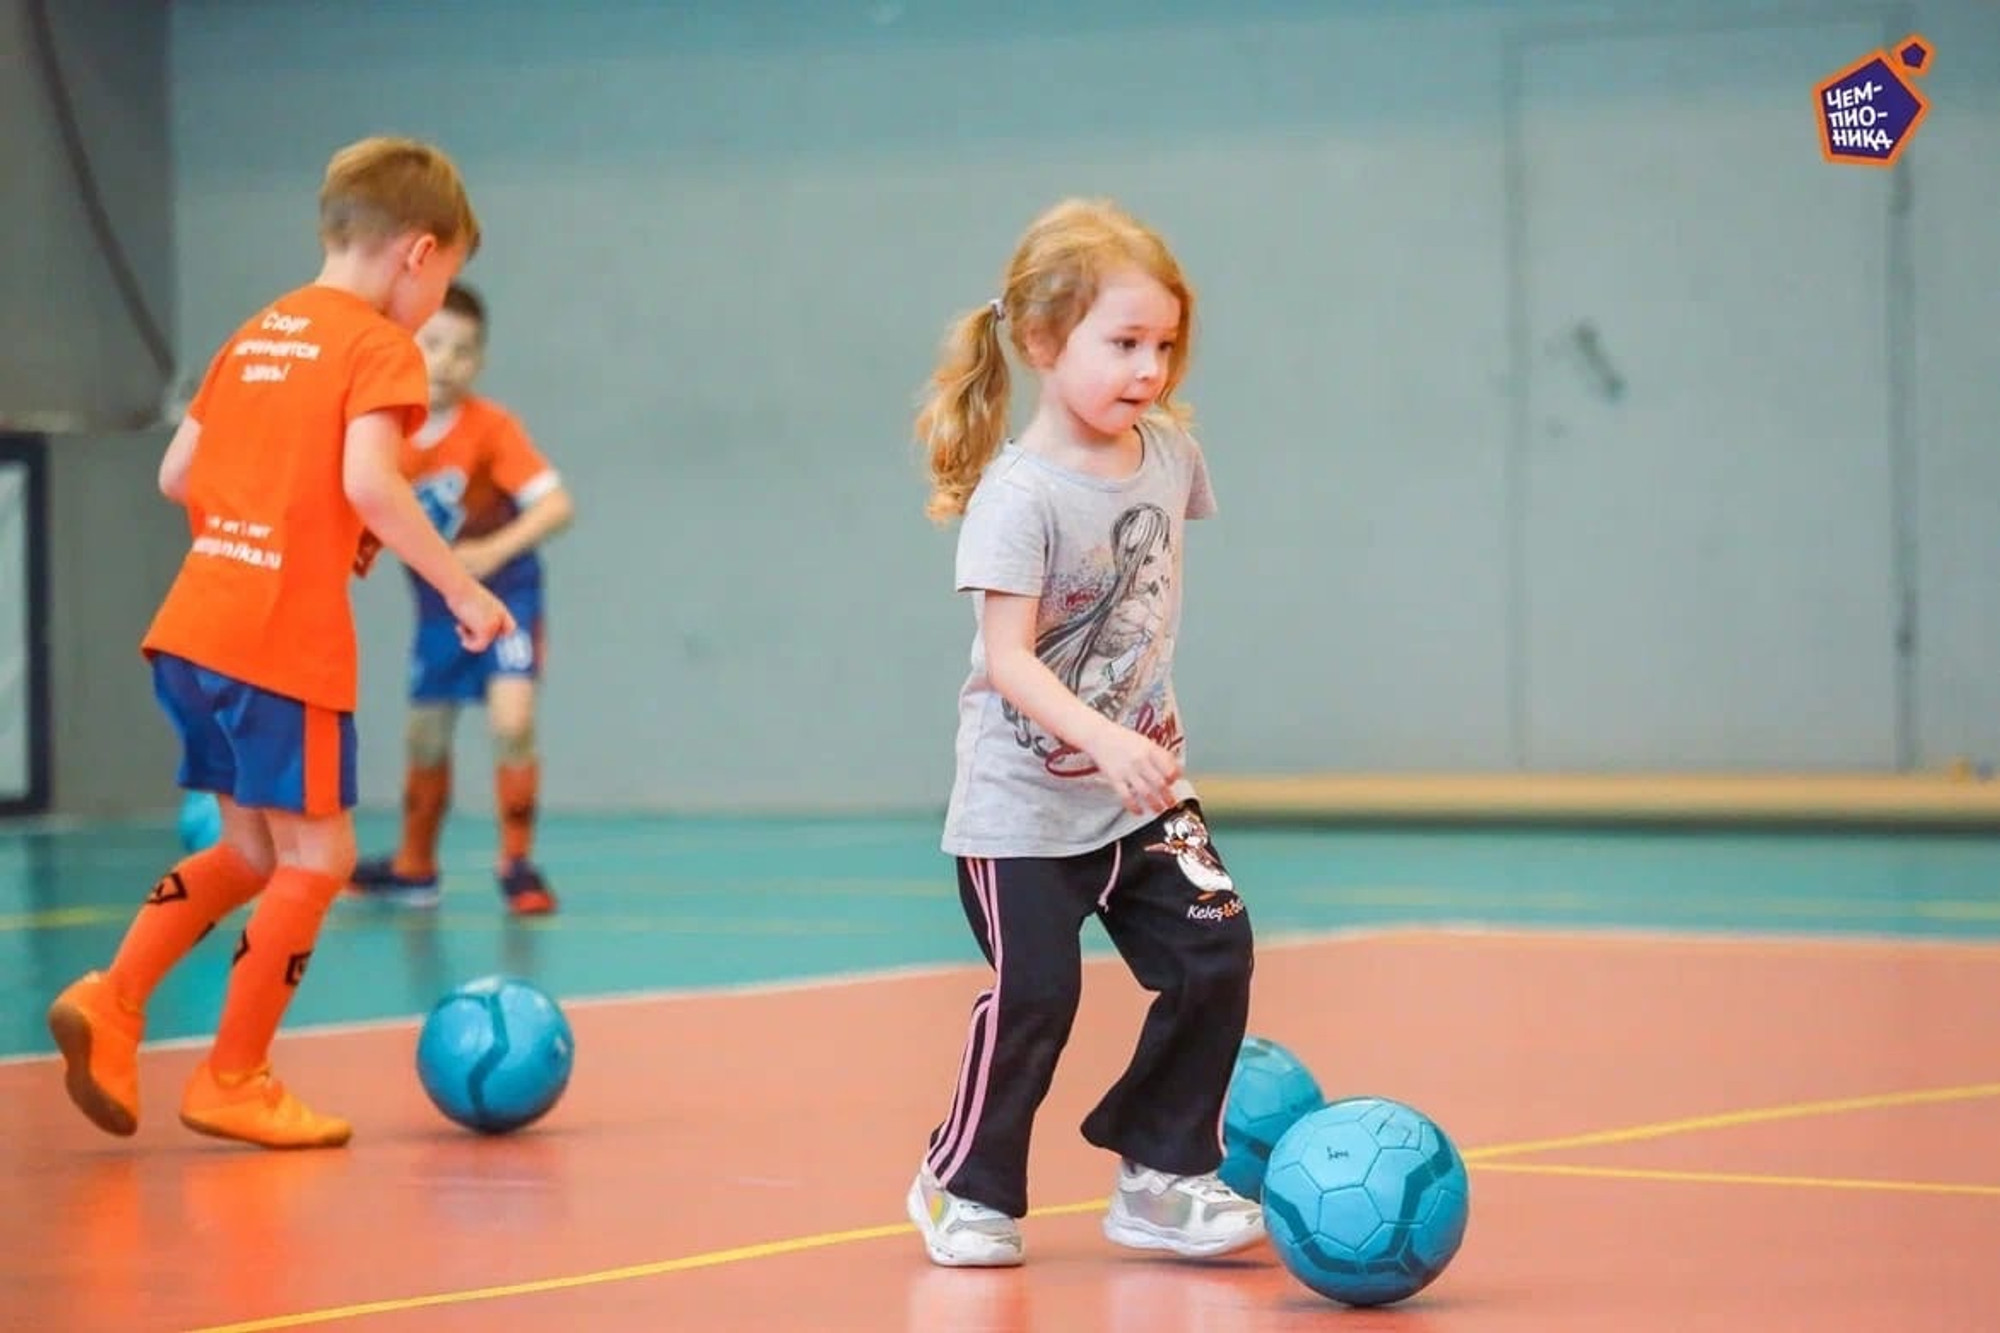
point(442, 671)
point(260, 749)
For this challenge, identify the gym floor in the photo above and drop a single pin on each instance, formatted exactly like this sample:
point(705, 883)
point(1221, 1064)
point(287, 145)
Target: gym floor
point(1704, 1080)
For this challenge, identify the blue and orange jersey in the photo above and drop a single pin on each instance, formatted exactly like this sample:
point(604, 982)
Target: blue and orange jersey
point(474, 476)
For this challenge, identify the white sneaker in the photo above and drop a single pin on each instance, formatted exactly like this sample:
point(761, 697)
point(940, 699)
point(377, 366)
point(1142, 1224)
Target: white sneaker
point(1196, 1216)
point(959, 1233)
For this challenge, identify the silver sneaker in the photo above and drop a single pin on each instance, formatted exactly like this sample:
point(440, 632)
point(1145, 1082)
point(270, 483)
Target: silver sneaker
point(959, 1233)
point(1196, 1216)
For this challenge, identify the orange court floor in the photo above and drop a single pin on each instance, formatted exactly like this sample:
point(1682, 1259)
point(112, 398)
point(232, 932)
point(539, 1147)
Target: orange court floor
point(1721, 1080)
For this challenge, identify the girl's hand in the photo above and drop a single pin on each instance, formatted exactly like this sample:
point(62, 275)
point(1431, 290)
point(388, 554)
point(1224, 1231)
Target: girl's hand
point(1141, 771)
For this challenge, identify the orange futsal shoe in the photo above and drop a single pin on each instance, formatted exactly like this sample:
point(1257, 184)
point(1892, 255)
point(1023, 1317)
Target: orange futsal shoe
point(99, 1040)
point(256, 1108)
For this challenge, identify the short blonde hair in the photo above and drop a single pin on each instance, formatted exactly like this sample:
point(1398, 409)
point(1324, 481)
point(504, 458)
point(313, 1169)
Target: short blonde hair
point(381, 187)
point(1049, 287)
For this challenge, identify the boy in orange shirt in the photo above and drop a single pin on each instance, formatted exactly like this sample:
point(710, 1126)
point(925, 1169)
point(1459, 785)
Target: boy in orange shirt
point(288, 465)
point(493, 495)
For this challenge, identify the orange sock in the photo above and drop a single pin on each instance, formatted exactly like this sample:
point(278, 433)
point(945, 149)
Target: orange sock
point(183, 907)
point(426, 796)
point(517, 786)
point(270, 961)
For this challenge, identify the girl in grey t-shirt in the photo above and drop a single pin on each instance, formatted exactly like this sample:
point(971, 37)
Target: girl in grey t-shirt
point(1069, 798)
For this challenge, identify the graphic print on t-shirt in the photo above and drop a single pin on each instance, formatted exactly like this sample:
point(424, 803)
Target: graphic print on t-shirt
point(1112, 628)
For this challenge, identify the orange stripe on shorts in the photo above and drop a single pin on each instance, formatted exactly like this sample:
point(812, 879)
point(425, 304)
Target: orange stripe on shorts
point(322, 761)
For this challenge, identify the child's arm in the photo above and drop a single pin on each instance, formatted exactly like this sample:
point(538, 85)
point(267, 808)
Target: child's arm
point(386, 504)
point(174, 464)
point(548, 515)
point(1141, 771)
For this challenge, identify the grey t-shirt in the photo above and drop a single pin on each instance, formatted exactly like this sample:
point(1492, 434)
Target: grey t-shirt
point(1104, 557)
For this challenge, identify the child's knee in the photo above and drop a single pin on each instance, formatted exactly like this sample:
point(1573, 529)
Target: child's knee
point(325, 847)
point(336, 866)
point(254, 850)
point(1044, 1005)
point(244, 834)
point(309, 886)
point(514, 743)
point(428, 735)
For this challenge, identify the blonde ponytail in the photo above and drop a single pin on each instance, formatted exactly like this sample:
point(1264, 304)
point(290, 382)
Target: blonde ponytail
point(965, 418)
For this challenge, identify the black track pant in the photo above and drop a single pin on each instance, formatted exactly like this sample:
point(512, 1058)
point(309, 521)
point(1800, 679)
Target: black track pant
point(1169, 907)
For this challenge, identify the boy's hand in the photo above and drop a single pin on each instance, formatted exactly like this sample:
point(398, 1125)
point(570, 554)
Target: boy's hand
point(481, 617)
point(478, 556)
point(364, 555)
point(1141, 771)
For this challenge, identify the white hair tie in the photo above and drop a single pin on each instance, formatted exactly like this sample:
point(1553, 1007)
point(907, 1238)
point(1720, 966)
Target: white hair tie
point(999, 309)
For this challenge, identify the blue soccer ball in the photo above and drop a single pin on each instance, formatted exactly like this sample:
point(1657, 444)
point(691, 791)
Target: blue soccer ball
point(1269, 1091)
point(1366, 1201)
point(200, 821)
point(495, 1054)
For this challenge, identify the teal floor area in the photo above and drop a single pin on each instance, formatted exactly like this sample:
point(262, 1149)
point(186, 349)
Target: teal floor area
point(654, 903)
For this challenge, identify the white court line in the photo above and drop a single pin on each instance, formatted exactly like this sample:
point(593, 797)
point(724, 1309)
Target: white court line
point(731, 990)
point(1468, 930)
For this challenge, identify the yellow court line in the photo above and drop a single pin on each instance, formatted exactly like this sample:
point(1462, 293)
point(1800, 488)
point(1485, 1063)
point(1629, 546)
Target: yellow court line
point(1739, 1178)
point(1476, 1156)
point(61, 918)
point(1732, 1119)
point(713, 1259)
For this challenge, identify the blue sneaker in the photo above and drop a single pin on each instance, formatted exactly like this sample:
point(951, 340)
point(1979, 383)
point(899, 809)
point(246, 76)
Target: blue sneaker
point(526, 892)
point(376, 880)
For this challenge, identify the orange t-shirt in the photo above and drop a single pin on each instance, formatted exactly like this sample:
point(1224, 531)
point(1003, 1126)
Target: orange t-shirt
point(473, 477)
point(262, 594)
